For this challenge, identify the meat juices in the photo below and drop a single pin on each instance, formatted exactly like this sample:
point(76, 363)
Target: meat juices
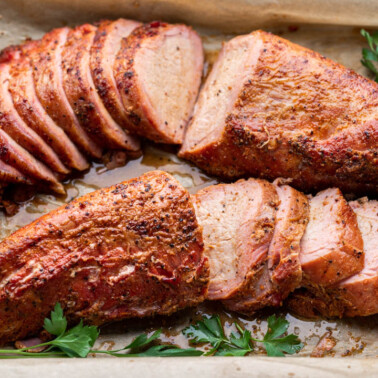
point(131, 250)
point(271, 108)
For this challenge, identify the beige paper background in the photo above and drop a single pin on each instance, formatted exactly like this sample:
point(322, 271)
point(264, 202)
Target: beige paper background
point(31, 18)
point(227, 15)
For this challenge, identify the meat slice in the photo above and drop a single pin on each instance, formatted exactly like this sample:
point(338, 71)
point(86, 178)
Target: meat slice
point(361, 290)
point(14, 155)
point(48, 79)
point(26, 102)
point(14, 126)
point(11, 175)
point(83, 97)
point(357, 295)
point(284, 267)
point(281, 273)
point(106, 45)
point(270, 108)
point(158, 72)
point(332, 245)
point(238, 222)
point(132, 250)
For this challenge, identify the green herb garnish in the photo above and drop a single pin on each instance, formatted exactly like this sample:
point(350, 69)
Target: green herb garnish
point(369, 56)
point(79, 340)
point(211, 331)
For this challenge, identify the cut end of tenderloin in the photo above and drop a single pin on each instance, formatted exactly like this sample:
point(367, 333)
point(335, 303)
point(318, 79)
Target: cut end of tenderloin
point(158, 72)
point(218, 95)
point(332, 245)
point(238, 221)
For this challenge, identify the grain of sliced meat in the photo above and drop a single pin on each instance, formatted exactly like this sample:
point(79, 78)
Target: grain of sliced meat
point(158, 72)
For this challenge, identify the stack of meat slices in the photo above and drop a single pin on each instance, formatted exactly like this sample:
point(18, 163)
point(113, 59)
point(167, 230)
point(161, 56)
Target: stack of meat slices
point(265, 240)
point(76, 93)
point(146, 247)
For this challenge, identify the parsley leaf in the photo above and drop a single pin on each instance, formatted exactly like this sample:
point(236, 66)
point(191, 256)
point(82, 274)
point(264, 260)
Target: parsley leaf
point(58, 323)
point(78, 341)
point(274, 344)
point(370, 56)
point(210, 331)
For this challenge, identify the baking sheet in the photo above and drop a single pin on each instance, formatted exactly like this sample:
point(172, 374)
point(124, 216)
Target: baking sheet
point(355, 337)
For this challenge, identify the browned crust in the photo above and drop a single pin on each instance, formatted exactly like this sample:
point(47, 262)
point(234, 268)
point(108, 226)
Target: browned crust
point(292, 146)
point(132, 250)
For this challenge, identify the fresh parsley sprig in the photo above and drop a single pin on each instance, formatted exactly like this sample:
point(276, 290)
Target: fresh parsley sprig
point(369, 56)
point(79, 341)
point(210, 331)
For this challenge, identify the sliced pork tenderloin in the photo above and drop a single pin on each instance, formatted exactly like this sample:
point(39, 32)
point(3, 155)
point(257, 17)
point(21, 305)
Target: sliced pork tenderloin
point(332, 245)
point(238, 224)
point(284, 265)
point(132, 250)
point(83, 97)
point(356, 295)
point(270, 108)
point(9, 174)
point(17, 157)
point(48, 79)
point(12, 124)
point(28, 106)
point(158, 73)
point(281, 273)
point(106, 44)
point(361, 290)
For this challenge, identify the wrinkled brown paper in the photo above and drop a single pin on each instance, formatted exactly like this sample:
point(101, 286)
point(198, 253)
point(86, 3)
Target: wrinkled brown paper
point(330, 27)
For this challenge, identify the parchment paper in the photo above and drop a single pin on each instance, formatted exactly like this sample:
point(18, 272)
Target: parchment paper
point(20, 19)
